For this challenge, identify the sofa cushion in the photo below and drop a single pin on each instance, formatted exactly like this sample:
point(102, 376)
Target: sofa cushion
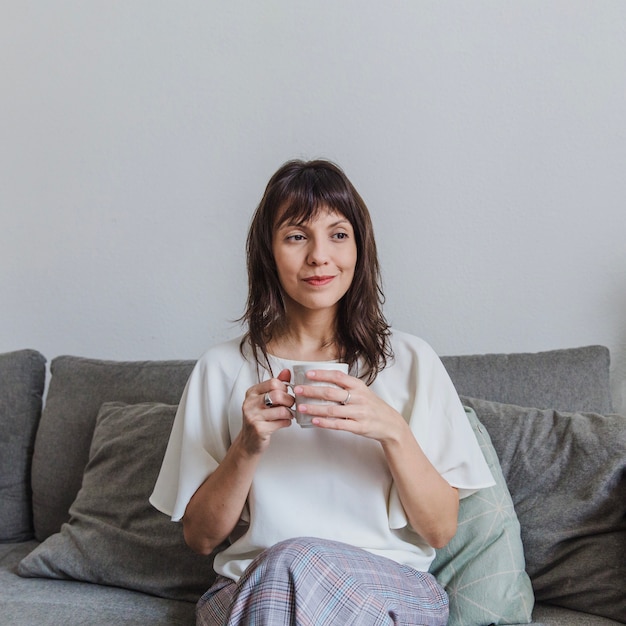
point(22, 380)
point(574, 379)
point(551, 615)
point(114, 536)
point(482, 568)
point(567, 477)
point(77, 390)
point(46, 602)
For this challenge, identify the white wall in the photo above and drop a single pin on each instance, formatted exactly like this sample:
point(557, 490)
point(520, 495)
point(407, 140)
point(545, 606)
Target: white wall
point(488, 138)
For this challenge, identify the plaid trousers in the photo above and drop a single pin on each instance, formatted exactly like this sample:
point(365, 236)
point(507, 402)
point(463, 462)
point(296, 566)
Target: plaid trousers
point(316, 582)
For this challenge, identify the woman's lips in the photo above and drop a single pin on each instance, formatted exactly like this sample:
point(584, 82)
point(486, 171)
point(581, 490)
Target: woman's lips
point(318, 281)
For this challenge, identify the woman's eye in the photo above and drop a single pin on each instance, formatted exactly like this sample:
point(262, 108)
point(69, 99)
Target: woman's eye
point(340, 236)
point(297, 237)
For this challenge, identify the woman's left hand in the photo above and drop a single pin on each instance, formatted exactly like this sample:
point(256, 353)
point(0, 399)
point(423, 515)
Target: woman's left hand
point(356, 408)
point(431, 504)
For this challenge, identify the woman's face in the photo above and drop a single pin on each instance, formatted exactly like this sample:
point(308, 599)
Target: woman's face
point(315, 260)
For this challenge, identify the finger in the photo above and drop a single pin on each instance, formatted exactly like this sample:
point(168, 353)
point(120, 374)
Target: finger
point(273, 383)
point(277, 397)
point(334, 410)
point(255, 414)
point(334, 423)
point(275, 390)
point(324, 392)
point(285, 376)
point(330, 376)
point(278, 413)
point(261, 389)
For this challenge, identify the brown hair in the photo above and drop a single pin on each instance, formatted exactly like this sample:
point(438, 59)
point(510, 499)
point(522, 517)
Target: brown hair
point(297, 192)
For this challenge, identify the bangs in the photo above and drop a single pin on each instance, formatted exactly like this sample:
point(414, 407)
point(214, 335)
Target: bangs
point(312, 192)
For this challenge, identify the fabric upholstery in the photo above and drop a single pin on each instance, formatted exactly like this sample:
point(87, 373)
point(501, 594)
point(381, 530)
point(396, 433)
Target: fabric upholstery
point(43, 601)
point(567, 476)
point(22, 380)
point(550, 615)
point(482, 568)
point(77, 390)
point(82, 385)
point(114, 536)
point(574, 379)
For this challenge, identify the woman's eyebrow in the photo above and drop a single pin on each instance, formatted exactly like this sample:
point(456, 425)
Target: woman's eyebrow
point(304, 223)
point(290, 224)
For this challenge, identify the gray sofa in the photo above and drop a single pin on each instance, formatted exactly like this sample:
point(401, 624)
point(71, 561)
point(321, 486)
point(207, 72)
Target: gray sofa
point(79, 544)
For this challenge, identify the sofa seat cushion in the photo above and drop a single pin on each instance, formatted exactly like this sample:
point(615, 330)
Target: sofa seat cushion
point(28, 601)
point(22, 380)
point(114, 536)
point(550, 615)
point(567, 477)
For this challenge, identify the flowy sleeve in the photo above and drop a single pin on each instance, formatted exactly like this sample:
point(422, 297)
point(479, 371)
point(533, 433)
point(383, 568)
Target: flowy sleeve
point(440, 425)
point(199, 439)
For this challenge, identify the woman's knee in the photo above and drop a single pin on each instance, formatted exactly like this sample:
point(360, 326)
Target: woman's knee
point(288, 551)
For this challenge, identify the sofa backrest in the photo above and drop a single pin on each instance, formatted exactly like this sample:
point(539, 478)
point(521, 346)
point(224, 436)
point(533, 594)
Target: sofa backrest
point(574, 379)
point(570, 379)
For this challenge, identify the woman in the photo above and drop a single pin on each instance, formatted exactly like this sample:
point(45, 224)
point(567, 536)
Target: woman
point(335, 524)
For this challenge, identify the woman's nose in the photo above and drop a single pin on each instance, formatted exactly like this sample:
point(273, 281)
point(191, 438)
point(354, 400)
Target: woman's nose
point(318, 254)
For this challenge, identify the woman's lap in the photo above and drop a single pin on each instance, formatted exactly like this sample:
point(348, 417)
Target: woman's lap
point(314, 582)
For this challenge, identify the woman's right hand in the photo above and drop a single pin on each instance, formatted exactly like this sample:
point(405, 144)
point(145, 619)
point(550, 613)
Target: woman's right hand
point(261, 420)
point(215, 508)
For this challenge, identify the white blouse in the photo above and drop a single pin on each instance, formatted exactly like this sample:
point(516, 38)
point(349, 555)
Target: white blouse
point(314, 482)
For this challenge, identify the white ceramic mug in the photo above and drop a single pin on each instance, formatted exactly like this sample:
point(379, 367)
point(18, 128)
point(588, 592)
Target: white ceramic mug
point(300, 378)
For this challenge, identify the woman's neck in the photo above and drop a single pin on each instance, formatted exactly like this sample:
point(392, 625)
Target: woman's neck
point(306, 338)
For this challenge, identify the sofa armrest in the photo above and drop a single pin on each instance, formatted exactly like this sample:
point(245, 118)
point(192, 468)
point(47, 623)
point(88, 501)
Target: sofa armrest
point(22, 381)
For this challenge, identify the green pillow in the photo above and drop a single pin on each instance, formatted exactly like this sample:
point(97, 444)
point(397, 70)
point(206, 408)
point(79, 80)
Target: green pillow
point(482, 568)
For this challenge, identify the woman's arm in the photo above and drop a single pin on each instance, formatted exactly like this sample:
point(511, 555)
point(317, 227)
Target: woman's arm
point(215, 508)
point(431, 504)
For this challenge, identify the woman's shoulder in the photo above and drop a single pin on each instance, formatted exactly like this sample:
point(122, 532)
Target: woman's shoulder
point(224, 349)
point(404, 344)
point(225, 356)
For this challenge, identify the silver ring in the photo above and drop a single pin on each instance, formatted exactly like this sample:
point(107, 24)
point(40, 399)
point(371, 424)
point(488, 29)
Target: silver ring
point(268, 400)
point(344, 402)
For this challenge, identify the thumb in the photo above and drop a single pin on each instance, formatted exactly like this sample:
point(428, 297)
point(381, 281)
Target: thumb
point(285, 376)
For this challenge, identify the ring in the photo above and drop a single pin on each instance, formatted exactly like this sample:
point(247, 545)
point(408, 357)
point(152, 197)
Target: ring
point(344, 402)
point(268, 400)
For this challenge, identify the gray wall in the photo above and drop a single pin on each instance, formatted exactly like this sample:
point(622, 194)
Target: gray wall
point(488, 139)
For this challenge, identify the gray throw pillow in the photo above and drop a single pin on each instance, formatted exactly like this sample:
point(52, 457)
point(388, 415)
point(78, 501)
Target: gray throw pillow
point(78, 388)
point(22, 380)
point(482, 568)
point(567, 476)
point(114, 536)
